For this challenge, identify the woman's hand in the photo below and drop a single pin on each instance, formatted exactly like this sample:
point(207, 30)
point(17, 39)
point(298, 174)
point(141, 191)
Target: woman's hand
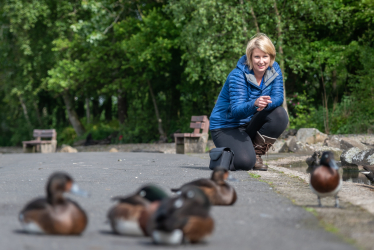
point(262, 102)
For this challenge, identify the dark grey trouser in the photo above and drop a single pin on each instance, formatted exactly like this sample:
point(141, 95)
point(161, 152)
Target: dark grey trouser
point(270, 123)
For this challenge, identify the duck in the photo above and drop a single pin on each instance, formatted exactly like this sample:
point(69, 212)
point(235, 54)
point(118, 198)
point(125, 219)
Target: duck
point(313, 160)
point(369, 172)
point(325, 179)
point(182, 219)
point(55, 214)
point(216, 188)
point(130, 215)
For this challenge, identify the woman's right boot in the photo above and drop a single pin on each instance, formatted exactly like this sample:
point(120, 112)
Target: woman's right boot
point(262, 144)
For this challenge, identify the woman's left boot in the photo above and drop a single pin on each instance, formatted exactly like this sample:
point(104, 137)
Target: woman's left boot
point(262, 144)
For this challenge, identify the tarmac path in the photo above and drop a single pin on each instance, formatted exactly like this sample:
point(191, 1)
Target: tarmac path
point(260, 219)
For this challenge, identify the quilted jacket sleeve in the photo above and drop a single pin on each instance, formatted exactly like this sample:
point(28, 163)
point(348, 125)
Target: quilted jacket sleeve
point(277, 89)
point(241, 106)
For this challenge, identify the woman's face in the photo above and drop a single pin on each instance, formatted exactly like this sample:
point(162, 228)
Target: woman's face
point(260, 61)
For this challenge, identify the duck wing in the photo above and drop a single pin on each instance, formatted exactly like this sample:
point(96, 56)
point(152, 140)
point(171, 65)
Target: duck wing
point(369, 168)
point(133, 200)
point(198, 183)
point(226, 195)
point(39, 203)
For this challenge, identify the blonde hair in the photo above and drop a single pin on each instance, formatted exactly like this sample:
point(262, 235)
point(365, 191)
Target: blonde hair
point(262, 42)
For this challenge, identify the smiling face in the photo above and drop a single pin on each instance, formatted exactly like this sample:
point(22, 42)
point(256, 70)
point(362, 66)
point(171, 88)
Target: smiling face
point(260, 61)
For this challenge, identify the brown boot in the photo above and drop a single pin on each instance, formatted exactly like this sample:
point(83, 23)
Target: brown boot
point(262, 144)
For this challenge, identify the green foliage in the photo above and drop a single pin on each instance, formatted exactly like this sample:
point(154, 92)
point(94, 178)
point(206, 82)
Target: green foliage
point(301, 112)
point(66, 136)
point(101, 130)
point(104, 55)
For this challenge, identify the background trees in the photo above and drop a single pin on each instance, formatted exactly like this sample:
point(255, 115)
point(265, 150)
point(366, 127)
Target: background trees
point(144, 67)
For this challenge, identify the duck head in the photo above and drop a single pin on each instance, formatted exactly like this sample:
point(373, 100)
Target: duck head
point(219, 175)
point(327, 159)
point(192, 201)
point(152, 193)
point(174, 211)
point(143, 196)
point(60, 183)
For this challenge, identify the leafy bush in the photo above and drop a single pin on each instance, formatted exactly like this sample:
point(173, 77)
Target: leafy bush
point(350, 116)
point(346, 118)
point(301, 112)
point(101, 130)
point(66, 136)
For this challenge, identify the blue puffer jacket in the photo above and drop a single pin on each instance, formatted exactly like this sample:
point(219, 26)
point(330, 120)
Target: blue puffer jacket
point(235, 105)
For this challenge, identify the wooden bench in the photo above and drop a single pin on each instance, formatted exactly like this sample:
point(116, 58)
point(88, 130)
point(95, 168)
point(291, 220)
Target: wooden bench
point(38, 145)
point(196, 141)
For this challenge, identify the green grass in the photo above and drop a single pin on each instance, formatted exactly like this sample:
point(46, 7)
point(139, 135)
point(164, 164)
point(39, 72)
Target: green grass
point(329, 227)
point(253, 175)
point(311, 210)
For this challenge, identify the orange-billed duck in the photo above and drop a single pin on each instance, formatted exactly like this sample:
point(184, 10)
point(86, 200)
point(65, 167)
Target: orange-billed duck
point(216, 188)
point(184, 218)
point(325, 179)
point(130, 215)
point(55, 214)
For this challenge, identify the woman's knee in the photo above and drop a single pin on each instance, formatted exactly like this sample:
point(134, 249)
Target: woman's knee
point(279, 114)
point(244, 162)
point(278, 119)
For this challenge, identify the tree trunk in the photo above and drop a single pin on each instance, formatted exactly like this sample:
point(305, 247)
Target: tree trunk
point(122, 106)
point(245, 31)
point(335, 90)
point(88, 114)
point(280, 49)
point(108, 108)
point(163, 137)
point(37, 114)
point(324, 102)
point(95, 108)
point(254, 17)
point(73, 117)
point(24, 108)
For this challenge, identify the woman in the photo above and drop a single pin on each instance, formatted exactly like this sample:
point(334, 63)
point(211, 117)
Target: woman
point(248, 117)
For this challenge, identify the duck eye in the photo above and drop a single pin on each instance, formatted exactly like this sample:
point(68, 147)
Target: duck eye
point(190, 194)
point(142, 193)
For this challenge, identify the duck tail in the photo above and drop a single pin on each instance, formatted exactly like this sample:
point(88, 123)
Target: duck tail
point(175, 190)
point(117, 198)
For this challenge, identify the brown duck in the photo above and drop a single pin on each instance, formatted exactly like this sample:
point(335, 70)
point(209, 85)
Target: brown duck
point(130, 215)
point(55, 214)
point(184, 218)
point(216, 188)
point(325, 179)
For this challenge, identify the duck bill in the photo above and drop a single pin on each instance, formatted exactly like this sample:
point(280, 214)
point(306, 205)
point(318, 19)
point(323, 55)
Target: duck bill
point(231, 178)
point(75, 189)
point(333, 164)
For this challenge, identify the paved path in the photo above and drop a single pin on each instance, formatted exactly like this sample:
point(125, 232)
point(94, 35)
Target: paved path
point(261, 219)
